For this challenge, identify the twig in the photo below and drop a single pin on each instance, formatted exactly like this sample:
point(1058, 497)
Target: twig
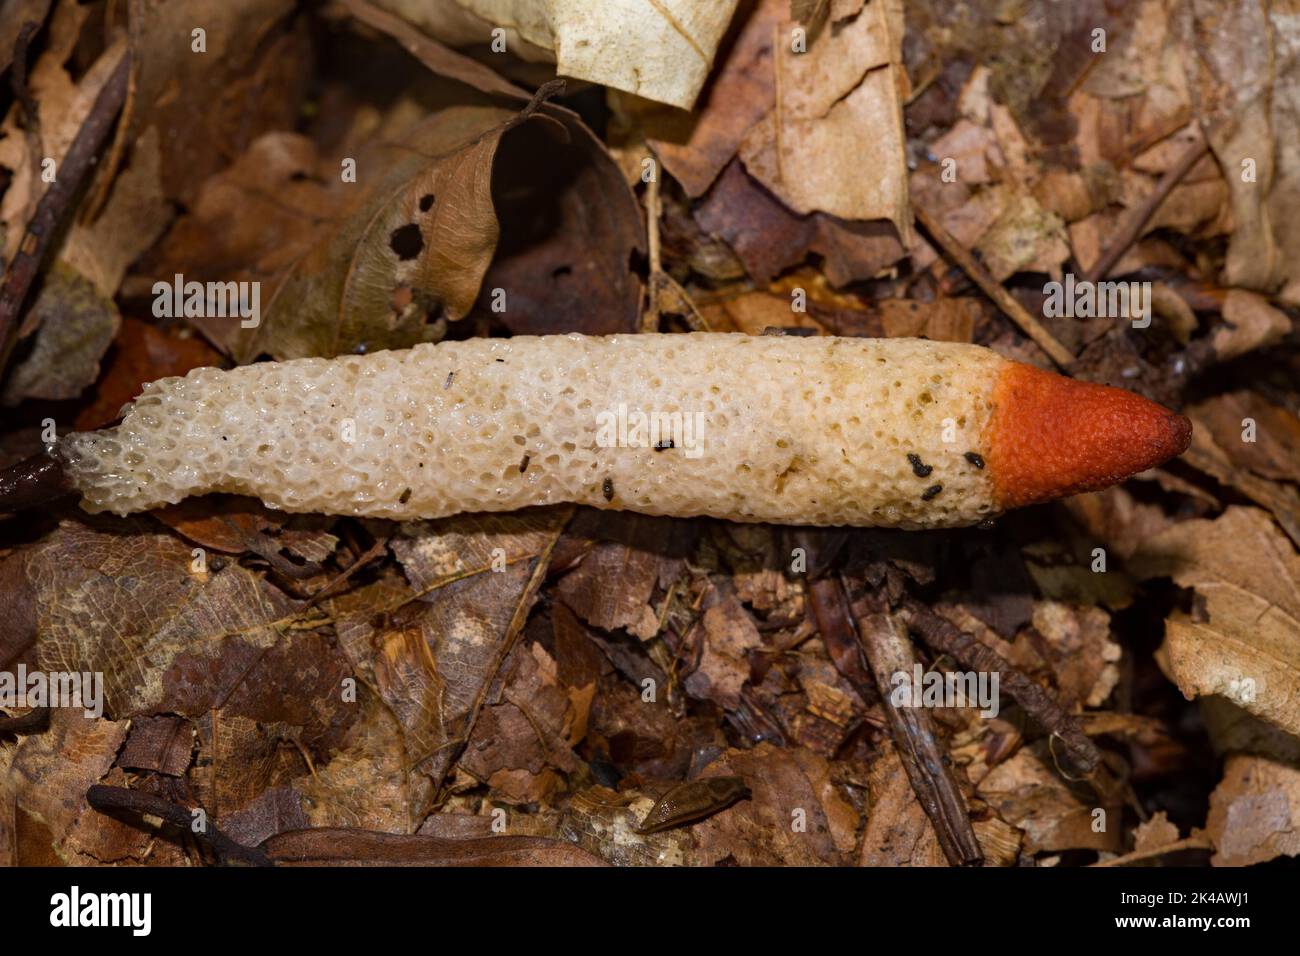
point(1198, 841)
point(32, 483)
point(135, 801)
point(374, 551)
point(653, 210)
point(942, 635)
point(1138, 217)
point(889, 651)
point(18, 80)
point(54, 205)
point(32, 722)
point(994, 290)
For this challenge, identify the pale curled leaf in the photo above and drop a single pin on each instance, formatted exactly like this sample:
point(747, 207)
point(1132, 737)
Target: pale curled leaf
point(660, 49)
point(1243, 642)
point(1255, 811)
point(834, 141)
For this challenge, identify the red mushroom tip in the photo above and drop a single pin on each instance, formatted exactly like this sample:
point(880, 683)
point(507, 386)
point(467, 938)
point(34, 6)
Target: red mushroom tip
point(1052, 436)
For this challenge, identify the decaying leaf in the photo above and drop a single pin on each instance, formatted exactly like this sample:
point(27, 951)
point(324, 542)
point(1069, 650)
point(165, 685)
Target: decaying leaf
point(834, 139)
point(1255, 812)
point(1242, 638)
point(367, 264)
point(170, 632)
point(431, 648)
point(43, 783)
point(76, 325)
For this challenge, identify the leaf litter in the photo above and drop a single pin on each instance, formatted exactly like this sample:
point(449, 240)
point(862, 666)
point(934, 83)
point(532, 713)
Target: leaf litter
point(569, 687)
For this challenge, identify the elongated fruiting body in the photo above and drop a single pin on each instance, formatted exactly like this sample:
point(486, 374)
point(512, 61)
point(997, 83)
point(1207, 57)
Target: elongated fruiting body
point(825, 431)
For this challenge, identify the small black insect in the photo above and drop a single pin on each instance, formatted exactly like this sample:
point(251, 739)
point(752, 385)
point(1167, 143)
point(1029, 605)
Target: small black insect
point(523, 465)
point(666, 443)
point(932, 492)
point(608, 489)
point(975, 459)
point(919, 468)
point(406, 496)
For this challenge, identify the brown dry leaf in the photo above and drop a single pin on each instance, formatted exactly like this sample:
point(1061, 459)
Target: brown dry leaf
point(75, 324)
point(205, 108)
point(1271, 449)
point(1154, 833)
point(1025, 237)
point(605, 823)
point(944, 320)
point(974, 148)
point(768, 238)
point(570, 226)
point(294, 544)
point(695, 147)
point(834, 140)
point(1242, 639)
point(1255, 812)
point(135, 214)
point(1118, 520)
point(522, 745)
point(612, 586)
point(571, 229)
point(431, 648)
point(898, 832)
point(348, 266)
point(273, 811)
point(1246, 82)
point(1281, 500)
point(238, 758)
point(755, 312)
point(1028, 793)
point(1250, 323)
point(965, 212)
point(119, 598)
point(666, 56)
point(162, 744)
point(63, 106)
point(370, 780)
point(14, 15)
point(1086, 659)
point(729, 635)
point(1145, 65)
point(796, 815)
point(43, 783)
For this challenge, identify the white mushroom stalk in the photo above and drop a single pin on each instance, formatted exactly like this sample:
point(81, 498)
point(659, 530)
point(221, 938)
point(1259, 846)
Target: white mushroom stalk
point(814, 431)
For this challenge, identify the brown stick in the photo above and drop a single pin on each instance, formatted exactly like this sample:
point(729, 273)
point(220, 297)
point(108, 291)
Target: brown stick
point(993, 289)
point(106, 798)
point(33, 722)
point(942, 635)
point(1138, 217)
point(32, 483)
point(889, 651)
point(54, 205)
